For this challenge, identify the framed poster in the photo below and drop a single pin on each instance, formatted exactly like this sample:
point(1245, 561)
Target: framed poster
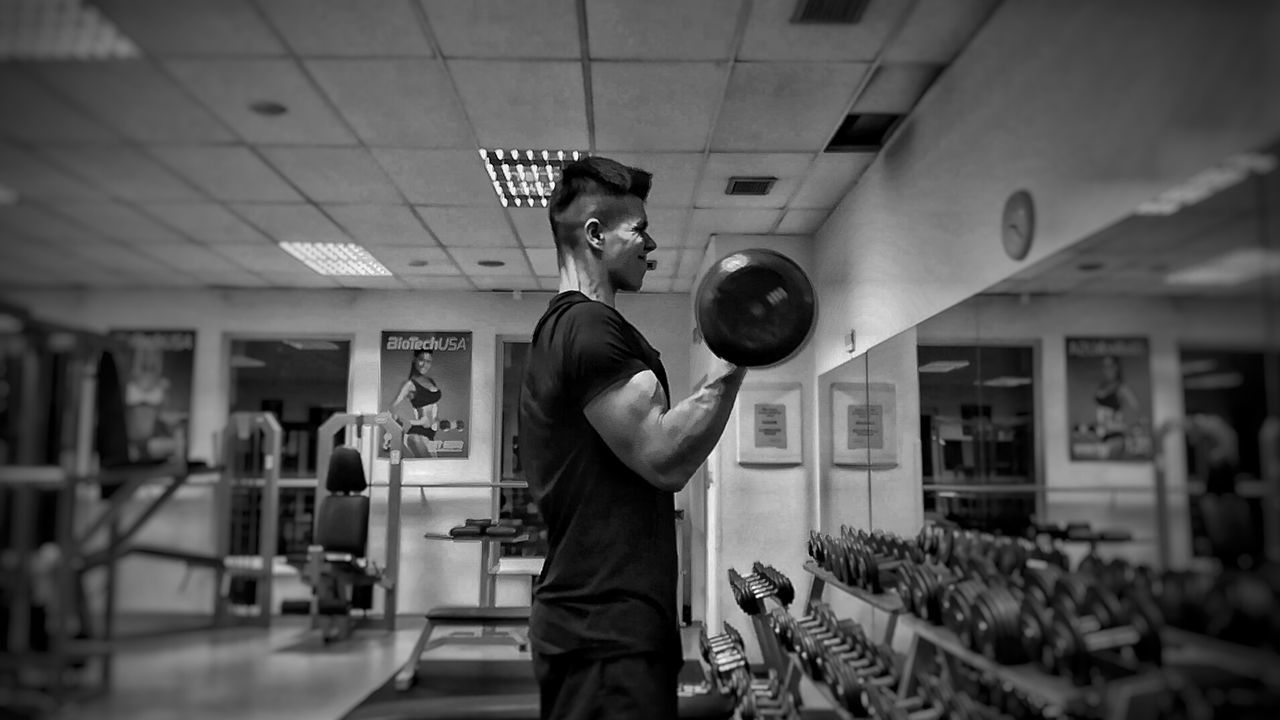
point(426, 385)
point(769, 424)
point(1109, 399)
point(864, 425)
point(156, 372)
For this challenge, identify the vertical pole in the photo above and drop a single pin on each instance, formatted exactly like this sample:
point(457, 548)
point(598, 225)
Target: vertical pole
point(271, 446)
point(391, 572)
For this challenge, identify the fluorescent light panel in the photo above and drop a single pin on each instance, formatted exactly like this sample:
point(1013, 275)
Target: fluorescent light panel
point(943, 366)
point(340, 259)
point(1006, 381)
point(59, 30)
point(311, 344)
point(1208, 183)
point(1232, 268)
point(526, 178)
point(1216, 381)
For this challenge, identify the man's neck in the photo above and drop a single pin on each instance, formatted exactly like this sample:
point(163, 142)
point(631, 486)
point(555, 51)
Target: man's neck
point(574, 276)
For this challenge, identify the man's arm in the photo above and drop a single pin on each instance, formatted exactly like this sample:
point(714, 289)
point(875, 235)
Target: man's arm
point(665, 447)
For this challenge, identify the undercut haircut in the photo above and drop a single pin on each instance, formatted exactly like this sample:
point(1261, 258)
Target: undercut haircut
point(589, 180)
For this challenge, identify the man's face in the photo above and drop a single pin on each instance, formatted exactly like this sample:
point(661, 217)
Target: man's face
point(626, 242)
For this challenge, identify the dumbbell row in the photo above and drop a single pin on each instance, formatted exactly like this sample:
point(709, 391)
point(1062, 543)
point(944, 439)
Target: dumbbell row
point(749, 592)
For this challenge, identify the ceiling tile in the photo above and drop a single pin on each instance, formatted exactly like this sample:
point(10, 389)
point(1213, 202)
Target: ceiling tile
point(235, 279)
point(191, 258)
point(506, 282)
point(657, 284)
point(437, 282)
point(193, 27)
point(405, 103)
point(690, 260)
point(118, 221)
point(667, 225)
point(34, 114)
point(459, 227)
point(675, 176)
point(371, 283)
point(368, 28)
point(397, 258)
point(661, 29)
point(229, 87)
point(526, 105)
point(668, 263)
point(292, 223)
point(772, 36)
point(544, 262)
point(549, 284)
point(157, 109)
point(896, 88)
point(299, 279)
point(114, 258)
point(373, 225)
point(206, 222)
point(261, 258)
point(36, 223)
point(682, 285)
point(532, 227)
point(502, 29)
point(439, 177)
point(802, 222)
point(659, 106)
point(338, 175)
point(785, 106)
point(938, 30)
point(788, 168)
point(468, 259)
point(123, 172)
point(37, 253)
point(725, 221)
point(830, 179)
point(228, 173)
point(31, 176)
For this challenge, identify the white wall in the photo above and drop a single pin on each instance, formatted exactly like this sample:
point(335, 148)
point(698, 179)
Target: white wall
point(432, 572)
point(758, 513)
point(1093, 106)
point(1169, 325)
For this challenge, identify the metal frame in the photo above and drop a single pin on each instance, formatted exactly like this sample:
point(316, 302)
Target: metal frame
point(386, 579)
point(243, 425)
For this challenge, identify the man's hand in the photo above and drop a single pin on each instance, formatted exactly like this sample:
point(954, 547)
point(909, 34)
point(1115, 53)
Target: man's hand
point(725, 370)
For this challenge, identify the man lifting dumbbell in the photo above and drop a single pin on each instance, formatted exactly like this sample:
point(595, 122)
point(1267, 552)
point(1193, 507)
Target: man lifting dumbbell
point(604, 451)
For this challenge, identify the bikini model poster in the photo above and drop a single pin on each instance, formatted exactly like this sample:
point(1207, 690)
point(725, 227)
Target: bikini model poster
point(426, 385)
point(1109, 398)
point(156, 369)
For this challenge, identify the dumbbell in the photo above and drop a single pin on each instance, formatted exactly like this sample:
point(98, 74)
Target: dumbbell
point(1096, 623)
point(996, 629)
point(956, 606)
point(782, 587)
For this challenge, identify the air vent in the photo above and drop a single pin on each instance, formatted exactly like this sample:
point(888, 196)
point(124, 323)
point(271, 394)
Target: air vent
point(750, 185)
point(863, 133)
point(829, 12)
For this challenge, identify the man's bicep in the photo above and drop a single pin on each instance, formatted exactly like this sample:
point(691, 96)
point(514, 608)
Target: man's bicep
point(625, 415)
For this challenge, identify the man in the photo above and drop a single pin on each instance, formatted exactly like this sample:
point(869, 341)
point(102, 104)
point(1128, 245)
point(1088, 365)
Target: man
point(604, 452)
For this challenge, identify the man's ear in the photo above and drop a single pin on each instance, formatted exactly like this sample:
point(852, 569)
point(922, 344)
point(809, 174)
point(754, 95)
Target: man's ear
point(594, 231)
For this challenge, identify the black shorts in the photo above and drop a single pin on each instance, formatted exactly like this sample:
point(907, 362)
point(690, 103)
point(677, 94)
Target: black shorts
point(631, 687)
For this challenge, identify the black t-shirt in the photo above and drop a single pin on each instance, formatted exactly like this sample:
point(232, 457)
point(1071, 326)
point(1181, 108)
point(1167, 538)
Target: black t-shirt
point(608, 586)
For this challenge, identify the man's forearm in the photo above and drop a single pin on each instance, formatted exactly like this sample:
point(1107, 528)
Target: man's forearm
point(693, 427)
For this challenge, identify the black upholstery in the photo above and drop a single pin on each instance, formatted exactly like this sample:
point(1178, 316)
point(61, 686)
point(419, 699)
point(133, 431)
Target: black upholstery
point(343, 524)
point(346, 472)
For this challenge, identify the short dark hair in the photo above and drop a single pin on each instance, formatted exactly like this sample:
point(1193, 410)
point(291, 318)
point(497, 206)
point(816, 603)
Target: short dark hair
point(598, 176)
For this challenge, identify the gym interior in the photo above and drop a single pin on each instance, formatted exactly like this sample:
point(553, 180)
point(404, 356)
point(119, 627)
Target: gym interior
point(1024, 463)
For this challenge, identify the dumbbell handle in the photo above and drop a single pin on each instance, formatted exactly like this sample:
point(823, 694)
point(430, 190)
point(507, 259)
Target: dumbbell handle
point(1112, 637)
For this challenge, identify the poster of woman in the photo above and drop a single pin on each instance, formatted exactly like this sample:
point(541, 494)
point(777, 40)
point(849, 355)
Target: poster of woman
point(1109, 398)
point(156, 371)
point(426, 386)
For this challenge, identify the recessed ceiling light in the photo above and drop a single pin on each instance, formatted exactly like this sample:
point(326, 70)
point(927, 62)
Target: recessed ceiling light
point(1091, 266)
point(943, 366)
point(491, 263)
point(526, 178)
point(1006, 381)
point(419, 263)
point(1233, 268)
point(269, 108)
point(346, 259)
point(59, 30)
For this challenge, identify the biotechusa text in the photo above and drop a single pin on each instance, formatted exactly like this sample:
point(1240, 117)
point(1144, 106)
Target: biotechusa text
point(445, 343)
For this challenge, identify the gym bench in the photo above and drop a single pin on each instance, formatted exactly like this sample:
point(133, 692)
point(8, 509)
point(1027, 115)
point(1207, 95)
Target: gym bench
point(513, 620)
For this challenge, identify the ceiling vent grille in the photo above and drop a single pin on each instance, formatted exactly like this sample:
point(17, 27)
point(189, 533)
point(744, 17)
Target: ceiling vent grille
point(750, 185)
point(863, 133)
point(829, 12)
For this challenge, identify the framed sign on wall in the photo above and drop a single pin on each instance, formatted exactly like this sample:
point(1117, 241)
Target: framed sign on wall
point(864, 425)
point(769, 424)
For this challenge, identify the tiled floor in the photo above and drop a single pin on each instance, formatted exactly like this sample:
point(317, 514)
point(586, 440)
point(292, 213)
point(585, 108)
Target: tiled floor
point(283, 673)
